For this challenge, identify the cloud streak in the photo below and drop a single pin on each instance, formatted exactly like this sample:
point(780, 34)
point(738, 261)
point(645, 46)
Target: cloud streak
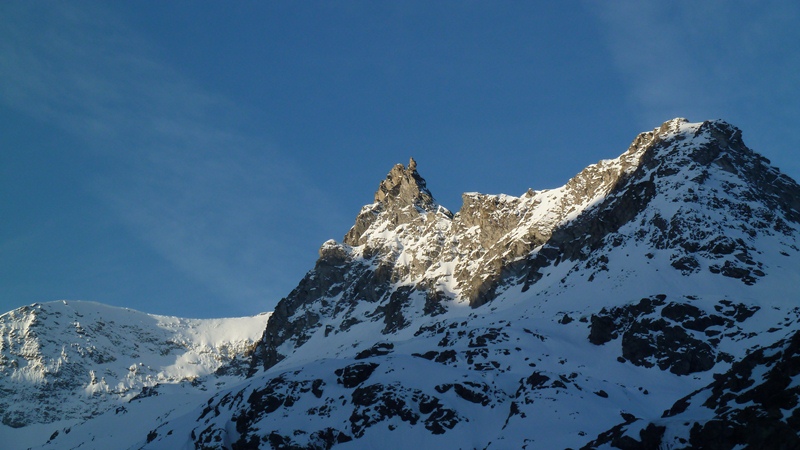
point(189, 175)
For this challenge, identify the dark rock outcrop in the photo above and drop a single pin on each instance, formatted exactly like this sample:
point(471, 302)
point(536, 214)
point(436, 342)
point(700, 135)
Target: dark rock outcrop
point(673, 336)
point(752, 405)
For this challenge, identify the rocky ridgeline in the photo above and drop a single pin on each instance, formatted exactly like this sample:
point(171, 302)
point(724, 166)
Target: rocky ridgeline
point(650, 301)
point(408, 256)
point(517, 316)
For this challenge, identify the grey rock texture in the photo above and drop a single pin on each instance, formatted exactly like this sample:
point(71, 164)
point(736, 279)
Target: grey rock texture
point(400, 199)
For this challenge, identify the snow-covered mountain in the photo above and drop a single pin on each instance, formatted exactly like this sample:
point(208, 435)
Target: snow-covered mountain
point(651, 301)
point(63, 363)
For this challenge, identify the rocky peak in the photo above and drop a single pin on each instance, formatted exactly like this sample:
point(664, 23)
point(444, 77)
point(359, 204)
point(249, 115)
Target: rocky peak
point(672, 126)
point(699, 150)
point(401, 198)
point(680, 142)
point(404, 186)
point(689, 196)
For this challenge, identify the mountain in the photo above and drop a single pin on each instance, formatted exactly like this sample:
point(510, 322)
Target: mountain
point(656, 196)
point(65, 363)
point(651, 301)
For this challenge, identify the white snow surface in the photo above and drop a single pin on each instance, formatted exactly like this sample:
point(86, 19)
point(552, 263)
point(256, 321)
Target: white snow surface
point(67, 361)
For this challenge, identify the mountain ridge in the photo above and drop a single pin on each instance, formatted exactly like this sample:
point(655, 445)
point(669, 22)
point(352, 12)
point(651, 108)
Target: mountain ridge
point(595, 309)
point(470, 254)
point(68, 360)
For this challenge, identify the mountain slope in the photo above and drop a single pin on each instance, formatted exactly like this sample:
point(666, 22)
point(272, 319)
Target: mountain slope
point(754, 404)
point(575, 309)
point(66, 362)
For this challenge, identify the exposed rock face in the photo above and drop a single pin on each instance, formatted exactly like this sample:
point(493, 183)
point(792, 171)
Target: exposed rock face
point(675, 336)
point(400, 199)
point(405, 246)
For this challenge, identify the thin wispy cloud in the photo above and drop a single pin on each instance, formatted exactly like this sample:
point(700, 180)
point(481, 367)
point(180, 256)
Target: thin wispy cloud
point(189, 174)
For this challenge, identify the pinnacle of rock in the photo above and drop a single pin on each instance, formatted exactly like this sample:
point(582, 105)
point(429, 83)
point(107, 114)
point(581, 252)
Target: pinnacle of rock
point(404, 186)
point(401, 196)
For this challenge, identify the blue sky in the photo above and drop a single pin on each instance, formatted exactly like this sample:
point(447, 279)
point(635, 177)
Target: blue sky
point(189, 157)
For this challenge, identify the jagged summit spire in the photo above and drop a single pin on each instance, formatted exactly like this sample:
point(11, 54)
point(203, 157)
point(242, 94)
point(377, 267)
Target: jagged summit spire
point(404, 186)
point(401, 197)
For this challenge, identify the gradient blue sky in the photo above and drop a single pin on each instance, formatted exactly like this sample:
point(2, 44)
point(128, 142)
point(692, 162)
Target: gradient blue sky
point(189, 157)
